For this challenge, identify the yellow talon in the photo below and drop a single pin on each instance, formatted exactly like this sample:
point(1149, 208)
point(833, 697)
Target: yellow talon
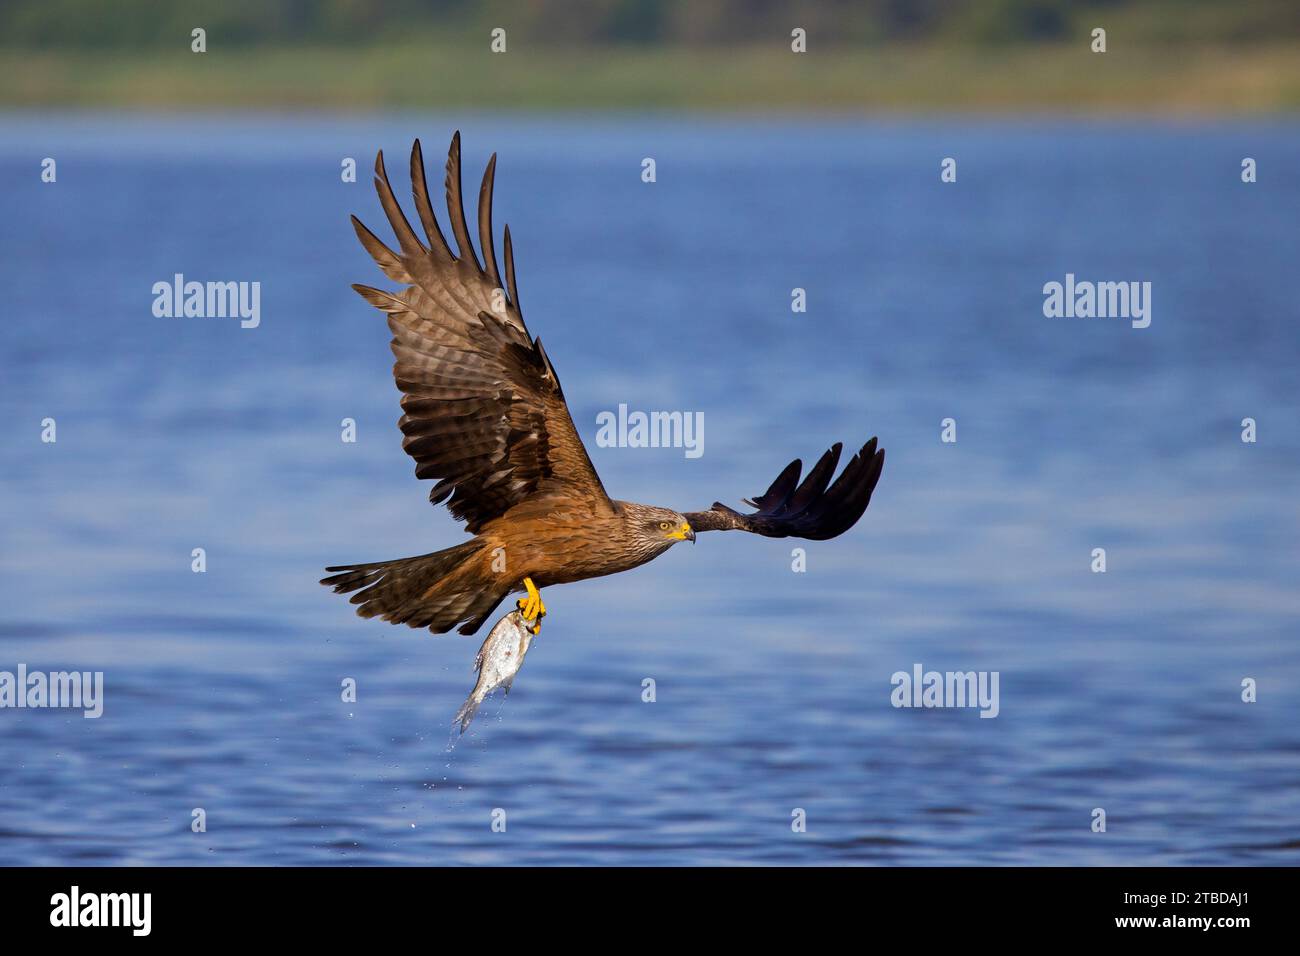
point(532, 606)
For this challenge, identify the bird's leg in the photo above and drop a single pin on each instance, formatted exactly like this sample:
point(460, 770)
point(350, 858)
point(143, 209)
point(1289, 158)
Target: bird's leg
point(532, 606)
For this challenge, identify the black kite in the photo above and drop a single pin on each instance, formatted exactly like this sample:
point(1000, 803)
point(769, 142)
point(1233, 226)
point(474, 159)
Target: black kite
point(484, 414)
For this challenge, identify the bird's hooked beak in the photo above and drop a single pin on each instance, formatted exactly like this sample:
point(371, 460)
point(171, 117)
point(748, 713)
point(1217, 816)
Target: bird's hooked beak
point(684, 533)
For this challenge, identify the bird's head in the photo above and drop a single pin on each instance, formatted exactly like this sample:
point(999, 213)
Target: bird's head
point(660, 528)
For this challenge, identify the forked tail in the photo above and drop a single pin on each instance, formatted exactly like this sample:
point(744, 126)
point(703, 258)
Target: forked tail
point(437, 590)
point(467, 710)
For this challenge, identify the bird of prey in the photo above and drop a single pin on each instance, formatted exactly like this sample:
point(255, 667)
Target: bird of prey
point(484, 415)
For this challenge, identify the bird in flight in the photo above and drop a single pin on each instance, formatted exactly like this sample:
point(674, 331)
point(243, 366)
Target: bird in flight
point(484, 415)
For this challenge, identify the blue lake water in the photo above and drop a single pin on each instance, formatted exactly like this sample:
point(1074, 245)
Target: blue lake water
point(1119, 691)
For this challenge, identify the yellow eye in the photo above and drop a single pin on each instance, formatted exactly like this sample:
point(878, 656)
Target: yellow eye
point(665, 525)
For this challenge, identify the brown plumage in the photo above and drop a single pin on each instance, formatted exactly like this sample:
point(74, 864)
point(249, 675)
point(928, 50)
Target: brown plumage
point(484, 415)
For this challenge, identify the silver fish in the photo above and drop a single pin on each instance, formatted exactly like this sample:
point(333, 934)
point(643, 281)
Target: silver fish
point(497, 663)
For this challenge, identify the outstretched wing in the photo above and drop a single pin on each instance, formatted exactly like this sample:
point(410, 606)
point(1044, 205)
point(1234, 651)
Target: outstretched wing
point(483, 409)
point(807, 509)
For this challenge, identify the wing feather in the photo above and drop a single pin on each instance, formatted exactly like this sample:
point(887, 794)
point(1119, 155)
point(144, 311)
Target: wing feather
point(420, 189)
point(483, 412)
point(456, 203)
point(485, 221)
point(807, 509)
point(510, 270)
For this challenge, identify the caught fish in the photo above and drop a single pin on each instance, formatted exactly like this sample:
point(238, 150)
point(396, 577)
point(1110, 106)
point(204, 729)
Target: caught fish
point(497, 663)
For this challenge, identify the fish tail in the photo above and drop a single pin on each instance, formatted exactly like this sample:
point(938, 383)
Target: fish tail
point(467, 712)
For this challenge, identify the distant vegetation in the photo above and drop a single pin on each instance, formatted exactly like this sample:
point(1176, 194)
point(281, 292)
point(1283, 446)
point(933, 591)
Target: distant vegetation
point(1219, 56)
point(134, 24)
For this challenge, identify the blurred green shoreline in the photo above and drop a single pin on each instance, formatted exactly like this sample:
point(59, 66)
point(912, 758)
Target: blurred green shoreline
point(894, 78)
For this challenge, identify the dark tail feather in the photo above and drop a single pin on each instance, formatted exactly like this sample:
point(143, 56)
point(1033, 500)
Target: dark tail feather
point(406, 591)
